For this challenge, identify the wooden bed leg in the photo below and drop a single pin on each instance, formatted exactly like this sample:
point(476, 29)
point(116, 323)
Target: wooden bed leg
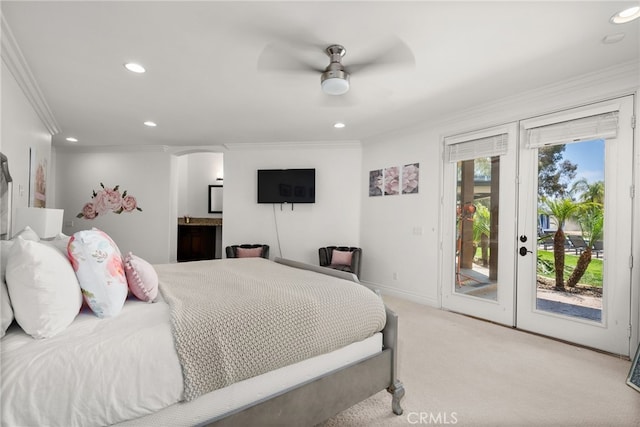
point(397, 393)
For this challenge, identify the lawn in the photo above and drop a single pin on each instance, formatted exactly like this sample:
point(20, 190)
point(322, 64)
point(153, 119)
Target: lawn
point(592, 277)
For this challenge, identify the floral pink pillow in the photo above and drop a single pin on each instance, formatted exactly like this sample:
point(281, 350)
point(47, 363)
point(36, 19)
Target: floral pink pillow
point(341, 257)
point(97, 262)
point(141, 277)
point(248, 252)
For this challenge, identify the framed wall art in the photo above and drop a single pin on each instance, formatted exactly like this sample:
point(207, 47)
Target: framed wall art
point(215, 199)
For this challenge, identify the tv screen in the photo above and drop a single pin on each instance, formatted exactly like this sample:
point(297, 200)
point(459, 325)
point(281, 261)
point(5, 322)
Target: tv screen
point(286, 186)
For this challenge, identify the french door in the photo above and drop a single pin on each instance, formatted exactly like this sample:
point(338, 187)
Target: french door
point(537, 225)
point(574, 232)
point(479, 223)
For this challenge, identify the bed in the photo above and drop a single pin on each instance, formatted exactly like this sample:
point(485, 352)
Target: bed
point(154, 364)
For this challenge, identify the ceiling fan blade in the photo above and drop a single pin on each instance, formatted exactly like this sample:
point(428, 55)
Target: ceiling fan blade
point(393, 53)
point(282, 58)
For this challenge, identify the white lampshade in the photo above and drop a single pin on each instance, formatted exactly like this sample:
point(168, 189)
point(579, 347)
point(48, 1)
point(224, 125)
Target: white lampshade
point(45, 222)
point(335, 86)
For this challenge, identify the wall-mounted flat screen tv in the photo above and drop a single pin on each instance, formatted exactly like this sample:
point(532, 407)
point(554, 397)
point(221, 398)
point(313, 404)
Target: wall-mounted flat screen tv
point(286, 185)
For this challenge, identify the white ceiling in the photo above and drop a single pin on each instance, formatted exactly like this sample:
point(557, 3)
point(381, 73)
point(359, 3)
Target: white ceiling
point(203, 85)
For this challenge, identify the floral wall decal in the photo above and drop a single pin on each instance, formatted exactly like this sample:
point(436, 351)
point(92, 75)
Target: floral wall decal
point(108, 200)
point(394, 180)
point(391, 181)
point(375, 183)
point(410, 178)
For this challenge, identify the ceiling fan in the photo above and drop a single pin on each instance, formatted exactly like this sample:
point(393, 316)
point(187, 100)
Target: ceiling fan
point(335, 80)
point(335, 77)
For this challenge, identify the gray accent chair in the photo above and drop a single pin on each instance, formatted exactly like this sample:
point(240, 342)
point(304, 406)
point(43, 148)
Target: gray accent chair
point(232, 251)
point(325, 255)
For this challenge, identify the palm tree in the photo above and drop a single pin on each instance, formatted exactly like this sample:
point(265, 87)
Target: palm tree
point(588, 192)
point(591, 219)
point(560, 210)
point(481, 230)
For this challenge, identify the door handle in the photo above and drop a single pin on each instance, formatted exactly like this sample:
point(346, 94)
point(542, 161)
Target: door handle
point(524, 251)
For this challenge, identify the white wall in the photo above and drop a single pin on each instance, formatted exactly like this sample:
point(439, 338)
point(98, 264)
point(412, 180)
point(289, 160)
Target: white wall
point(333, 219)
point(399, 233)
point(21, 131)
point(196, 172)
point(145, 175)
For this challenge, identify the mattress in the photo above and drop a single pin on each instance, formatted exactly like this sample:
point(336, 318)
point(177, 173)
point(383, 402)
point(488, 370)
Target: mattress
point(219, 402)
point(81, 376)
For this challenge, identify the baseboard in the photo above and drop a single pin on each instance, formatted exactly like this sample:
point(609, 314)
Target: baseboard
point(411, 296)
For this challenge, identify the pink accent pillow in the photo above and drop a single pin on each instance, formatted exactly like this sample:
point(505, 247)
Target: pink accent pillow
point(341, 257)
point(141, 278)
point(97, 262)
point(248, 252)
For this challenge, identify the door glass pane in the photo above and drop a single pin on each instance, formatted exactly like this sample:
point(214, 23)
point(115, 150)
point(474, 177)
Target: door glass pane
point(477, 204)
point(570, 248)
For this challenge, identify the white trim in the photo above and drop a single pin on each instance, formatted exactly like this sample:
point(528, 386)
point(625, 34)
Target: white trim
point(411, 296)
point(111, 148)
point(293, 145)
point(17, 65)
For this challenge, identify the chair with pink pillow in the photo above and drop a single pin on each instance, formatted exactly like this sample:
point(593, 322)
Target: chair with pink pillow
point(247, 251)
point(343, 258)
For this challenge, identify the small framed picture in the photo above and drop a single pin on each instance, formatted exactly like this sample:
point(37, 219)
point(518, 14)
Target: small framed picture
point(215, 199)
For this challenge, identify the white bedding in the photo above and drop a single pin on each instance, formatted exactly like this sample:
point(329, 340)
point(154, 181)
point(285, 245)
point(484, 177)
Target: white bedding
point(81, 376)
point(57, 382)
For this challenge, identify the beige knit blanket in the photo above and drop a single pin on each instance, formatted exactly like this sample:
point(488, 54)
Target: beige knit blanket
point(233, 319)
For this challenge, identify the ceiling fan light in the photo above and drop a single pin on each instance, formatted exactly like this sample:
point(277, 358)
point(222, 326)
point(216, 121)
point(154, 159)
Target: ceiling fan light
point(335, 86)
point(335, 82)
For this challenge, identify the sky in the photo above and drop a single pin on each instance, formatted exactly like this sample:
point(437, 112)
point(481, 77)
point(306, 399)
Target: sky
point(589, 156)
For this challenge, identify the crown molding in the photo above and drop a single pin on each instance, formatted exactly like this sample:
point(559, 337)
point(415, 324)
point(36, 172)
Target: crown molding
point(180, 150)
point(343, 144)
point(17, 65)
point(70, 148)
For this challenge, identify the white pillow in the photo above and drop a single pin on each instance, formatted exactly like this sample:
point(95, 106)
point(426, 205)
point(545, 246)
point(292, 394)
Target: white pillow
point(6, 312)
point(45, 293)
point(98, 264)
point(60, 242)
point(5, 248)
point(27, 233)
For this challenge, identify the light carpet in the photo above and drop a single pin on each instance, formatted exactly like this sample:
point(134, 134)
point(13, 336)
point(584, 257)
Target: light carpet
point(465, 372)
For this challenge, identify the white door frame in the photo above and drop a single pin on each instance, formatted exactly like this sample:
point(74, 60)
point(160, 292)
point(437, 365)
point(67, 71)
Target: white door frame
point(613, 333)
point(502, 309)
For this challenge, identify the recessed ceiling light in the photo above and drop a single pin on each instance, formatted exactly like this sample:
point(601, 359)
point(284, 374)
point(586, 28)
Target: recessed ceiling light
point(339, 125)
point(150, 124)
point(72, 139)
point(134, 68)
point(626, 15)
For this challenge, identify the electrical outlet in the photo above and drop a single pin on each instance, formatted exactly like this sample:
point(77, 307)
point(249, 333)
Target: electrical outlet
point(395, 276)
point(68, 223)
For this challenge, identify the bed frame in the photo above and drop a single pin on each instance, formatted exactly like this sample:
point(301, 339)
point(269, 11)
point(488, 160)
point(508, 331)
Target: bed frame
point(319, 399)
